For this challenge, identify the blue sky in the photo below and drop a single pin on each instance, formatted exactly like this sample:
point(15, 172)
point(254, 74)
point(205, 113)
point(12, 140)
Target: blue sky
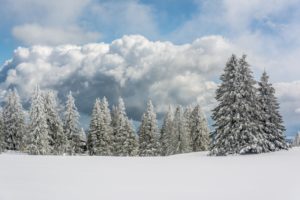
point(267, 31)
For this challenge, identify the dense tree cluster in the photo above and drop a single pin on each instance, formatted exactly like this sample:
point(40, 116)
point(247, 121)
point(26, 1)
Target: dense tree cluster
point(247, 118)
point(110, 133)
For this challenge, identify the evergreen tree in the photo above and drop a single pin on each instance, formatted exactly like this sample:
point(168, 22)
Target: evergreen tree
point(187, 116)
point(181, 141)
point(58, 138)
point(71, 124)
point(148, 133)
point(80, 142)
point(271, 119)
point(37, 141)
point(131, 144)
point(100, 132)
point(199, 130)
point(106, 127)
point(296, 141)
point(237, 121)
point(13, 122)
point(167, 134)
point(125, 143)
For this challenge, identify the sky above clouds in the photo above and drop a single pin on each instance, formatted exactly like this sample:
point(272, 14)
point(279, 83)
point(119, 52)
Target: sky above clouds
point(171, 51)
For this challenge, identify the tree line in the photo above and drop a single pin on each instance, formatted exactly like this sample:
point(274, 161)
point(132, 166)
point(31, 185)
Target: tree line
point(110, 133)
point(246, 120)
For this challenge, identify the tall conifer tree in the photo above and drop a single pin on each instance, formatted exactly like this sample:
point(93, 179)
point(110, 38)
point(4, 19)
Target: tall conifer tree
point(37, 141)
point(148, 133)
point(14, 122)
point(71, 124)
point(271, 119)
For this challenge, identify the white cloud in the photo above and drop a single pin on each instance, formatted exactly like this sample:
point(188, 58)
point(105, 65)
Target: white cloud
point(119, 18)
point(289, 96)
point(36, 22)
point(132, 67)
point(33, 34)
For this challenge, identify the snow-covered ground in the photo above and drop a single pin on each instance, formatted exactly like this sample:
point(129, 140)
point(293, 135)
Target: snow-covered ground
point(183, 177)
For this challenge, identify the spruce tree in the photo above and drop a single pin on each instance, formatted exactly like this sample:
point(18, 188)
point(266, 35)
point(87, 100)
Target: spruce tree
point(187, 117)
point(58, 138)
point(125, 143)
point(271, 119)
point(148, 133)
point(238, 129)
point(199, 130)
point(80, 142)
point(181, 139)
point(296, 141)
point(37, 141)
point(14, 122)
point(100, 132)
point(71, 124)
point(166, 134)
point(106, 127)
point(131, 144)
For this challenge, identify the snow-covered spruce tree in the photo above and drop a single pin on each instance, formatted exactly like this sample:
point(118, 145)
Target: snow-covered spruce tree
point(14, 122)
point(58, 138)
point(37, 141)
point(181, 140)
point(107, 128)
point(187, 115)
point(166, 134)
point(148, 133)
point(125, 143)
point(271, 119)
point(296, 141)
point(199, 130)
point(71, 124)
point(80, 142)
point(131, 144)
point(238, 128)
point(100, 132)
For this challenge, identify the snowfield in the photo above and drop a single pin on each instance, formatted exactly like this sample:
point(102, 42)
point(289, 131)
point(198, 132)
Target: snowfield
point(192, 176)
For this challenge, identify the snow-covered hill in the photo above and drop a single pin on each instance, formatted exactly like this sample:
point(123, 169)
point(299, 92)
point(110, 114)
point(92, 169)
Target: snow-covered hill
point(195, 176)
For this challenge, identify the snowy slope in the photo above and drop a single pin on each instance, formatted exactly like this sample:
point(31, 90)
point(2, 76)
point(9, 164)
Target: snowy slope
point(273, 176)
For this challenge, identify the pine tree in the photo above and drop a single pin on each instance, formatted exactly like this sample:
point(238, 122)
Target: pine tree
point(237, 122)
point(296, 141)
point(148, 133)
point(199, 130)
point(271, 119)
point(14, 122)
point(58, 138)
point(37, 141)
point(125, 143)
point(167, 134)
point(100, 132)
point(71, 124)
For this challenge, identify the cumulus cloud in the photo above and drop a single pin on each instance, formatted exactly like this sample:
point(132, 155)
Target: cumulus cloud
point(132, 67)
point(289, 96)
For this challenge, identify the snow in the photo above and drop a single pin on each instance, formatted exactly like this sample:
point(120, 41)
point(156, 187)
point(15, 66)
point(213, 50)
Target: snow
point(194, 176)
